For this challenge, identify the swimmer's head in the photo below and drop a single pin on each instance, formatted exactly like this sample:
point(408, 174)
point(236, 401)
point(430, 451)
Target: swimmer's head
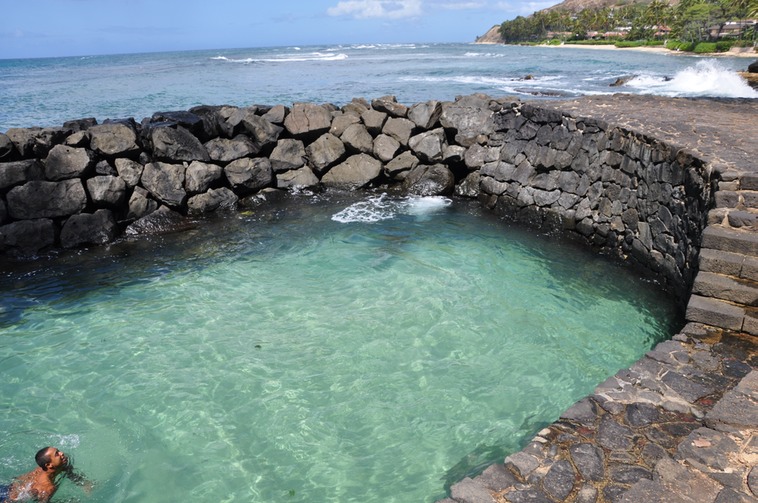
point(50, 458)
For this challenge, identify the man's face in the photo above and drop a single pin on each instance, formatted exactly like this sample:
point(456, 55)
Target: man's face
point(57, 459)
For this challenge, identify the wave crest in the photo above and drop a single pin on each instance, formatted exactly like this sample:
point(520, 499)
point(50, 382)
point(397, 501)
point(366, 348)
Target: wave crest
point(287, 58)
point(378, 208)
point(705, 78)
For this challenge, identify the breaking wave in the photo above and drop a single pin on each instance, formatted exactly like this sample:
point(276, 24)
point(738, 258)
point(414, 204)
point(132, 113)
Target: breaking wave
point(705, 78)
point(287, 58)
point(378, 208)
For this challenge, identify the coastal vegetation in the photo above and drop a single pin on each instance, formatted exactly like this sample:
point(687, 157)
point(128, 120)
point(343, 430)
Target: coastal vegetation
point(700, 26)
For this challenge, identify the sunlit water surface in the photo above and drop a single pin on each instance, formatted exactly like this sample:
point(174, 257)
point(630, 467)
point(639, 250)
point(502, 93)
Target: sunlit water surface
point(326, 350)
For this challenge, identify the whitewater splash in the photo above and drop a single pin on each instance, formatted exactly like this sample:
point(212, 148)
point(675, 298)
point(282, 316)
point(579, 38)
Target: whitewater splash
point(708, 78)
point(378, 208)
point(288, 58)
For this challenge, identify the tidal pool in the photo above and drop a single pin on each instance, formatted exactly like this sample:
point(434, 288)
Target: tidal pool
point(325, 349)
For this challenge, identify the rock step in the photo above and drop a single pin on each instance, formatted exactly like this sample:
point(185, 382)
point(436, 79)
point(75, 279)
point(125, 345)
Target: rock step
point(729, 264)
point(725, 239)
point(719, 286)
point(722, 314)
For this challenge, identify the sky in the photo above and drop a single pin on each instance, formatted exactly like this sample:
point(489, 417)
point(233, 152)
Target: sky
point(54, 28)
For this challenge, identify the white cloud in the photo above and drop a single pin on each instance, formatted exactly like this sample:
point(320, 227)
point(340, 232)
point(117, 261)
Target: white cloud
point(388, 9)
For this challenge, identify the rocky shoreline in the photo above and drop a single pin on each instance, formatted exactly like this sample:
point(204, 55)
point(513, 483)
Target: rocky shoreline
point(669, 184)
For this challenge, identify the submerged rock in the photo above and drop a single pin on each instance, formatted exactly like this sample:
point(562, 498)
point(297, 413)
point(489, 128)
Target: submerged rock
point(89, 229)
point(160, 221)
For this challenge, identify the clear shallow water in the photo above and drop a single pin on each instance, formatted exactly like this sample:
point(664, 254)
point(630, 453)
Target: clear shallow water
point(330, 350)
point(48, 92)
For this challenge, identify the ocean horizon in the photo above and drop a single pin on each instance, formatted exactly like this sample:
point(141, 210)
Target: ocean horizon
point(50, 91)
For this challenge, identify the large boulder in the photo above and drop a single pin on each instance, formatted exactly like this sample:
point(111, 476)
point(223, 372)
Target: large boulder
point(469, 187)
point(400, 129)
point(288, 154)
point(249, 175)
point(161, 221)
point(453, 154)
point(234, 120)
point(7, 150)
point(390, 106)
point(192, 122)
point(399, 167)
point(425, 115)
point(113, 139)
point(226, 150)
point(342, 121)
point(80, 125)
point(89, 229)
point(27, 236)
point(469, 118)
point(356, 172)
point(308, 120)
point(211, 117)
point(43, 199)
point(276, 114)
point(357, 106)
point(325, 152)
point(357, 139)
point(200, 176)
point(35, 141)
point(261, 131)
point(78, 139)
point(753, 67)
point(374, 121)
point(65, 162)
point(296, 179)
point(140, 204)
point(429, 146)
point(177, 144)
point(129, 171)
point(107, 191)
point(423, 180)
point(213, 200)
point(165, 182)
point(385, 147)
point(19, 172)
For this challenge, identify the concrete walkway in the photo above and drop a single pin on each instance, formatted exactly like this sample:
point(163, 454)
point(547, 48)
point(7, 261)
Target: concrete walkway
point(681, 424)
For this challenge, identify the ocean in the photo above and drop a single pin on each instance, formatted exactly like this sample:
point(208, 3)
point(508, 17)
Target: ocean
point(50, 91)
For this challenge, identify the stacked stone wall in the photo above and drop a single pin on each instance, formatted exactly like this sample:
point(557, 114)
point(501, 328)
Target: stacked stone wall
point(621, 191)
point(86, 183)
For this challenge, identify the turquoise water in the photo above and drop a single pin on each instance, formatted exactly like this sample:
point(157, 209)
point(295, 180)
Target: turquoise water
point(48, 92)
point(326, 350)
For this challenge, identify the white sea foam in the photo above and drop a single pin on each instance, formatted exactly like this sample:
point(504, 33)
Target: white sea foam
point(535, 86)
point(425, 205)
point(288, 58)
point(376, 209)
point(706, 78)
point(483, 55)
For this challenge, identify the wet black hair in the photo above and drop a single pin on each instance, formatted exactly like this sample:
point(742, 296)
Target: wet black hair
point(42, 458)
